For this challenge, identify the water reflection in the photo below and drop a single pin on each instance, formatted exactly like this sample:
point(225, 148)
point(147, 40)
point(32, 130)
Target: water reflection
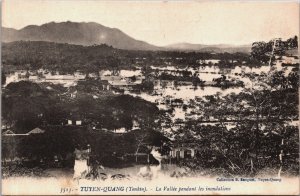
point(206, 73)
point(152, 171)
point(163, 89)
point(146, 172)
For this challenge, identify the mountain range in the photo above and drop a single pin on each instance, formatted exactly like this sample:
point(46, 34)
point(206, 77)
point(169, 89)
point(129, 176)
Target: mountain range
point(217, 48)
point(92, 33)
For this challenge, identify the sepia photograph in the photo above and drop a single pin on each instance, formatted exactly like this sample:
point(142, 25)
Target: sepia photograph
point(140, 97)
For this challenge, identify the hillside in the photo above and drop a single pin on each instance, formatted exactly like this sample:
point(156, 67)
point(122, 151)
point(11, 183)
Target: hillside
point(66, 57)
point(92, 33)
point(70, 57)
point(76, 33)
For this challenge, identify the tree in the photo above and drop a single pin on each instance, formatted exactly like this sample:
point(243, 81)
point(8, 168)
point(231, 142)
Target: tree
point(114, 63)
point(146, 71)
point(147, 85)
point(3, 78)
point(263, 51)
point(292, 43)
point(261, 116)
point(25, 104)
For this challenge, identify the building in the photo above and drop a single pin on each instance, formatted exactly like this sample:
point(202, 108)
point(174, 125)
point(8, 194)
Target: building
point(135, 125)
point(290, 60)
point(120, 130)
point(184, 83)
point(75, 119)
point(105, 85)
point(11, 133)
point(124, 83)
point(36, 131)
point(182, 152)
point(74, 122)
point(33, 78)
point(8, 133)
point(176, 102)
point(33, 131)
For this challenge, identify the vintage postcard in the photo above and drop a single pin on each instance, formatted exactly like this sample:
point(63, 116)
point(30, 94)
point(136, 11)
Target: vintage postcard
point(149, 97)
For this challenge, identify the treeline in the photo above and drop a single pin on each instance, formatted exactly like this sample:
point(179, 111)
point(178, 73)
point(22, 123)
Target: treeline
point(55, 147)
point(69, 58)
point(26, 105)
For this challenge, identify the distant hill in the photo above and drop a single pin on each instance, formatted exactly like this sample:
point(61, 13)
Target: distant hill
point(218, 48)
point(76, 33)
point(91, 33)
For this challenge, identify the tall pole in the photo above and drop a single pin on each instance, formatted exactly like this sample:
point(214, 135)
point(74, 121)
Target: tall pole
point(273, 48)
point(88, 158)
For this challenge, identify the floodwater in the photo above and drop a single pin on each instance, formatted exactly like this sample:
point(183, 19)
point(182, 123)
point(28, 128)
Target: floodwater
point(136, 171)
point(149, 176)
point(66, 80)
point(206, 73)
point(163, 90)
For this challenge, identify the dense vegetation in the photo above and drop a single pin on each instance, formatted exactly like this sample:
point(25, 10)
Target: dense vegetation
point(262, 51)
point(108, 149)
point(69, 58)
point(27, 105)
point(263, 135)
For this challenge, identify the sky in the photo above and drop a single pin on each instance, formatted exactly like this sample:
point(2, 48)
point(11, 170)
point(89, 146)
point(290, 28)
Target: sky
point(167, 22)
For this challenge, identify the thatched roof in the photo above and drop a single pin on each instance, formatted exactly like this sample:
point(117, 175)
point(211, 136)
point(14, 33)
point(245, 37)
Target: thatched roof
point(36, 131)
point(8, 132)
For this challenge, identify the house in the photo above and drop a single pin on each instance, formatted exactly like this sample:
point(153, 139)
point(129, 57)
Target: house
point(74, 122)
point(176, 102)
point(78, 122)
point(74, 119)
point(36, 131)
point(120, 82)
point(184, 83)
point(69, 122)
point(290, 60)
point(105, 85)
point(120, 130)
point(123, 84)
point(167, 83)
point(60, 77)
point(8, 132)
point(5, 124)
point(208, 61)
point(72, 92)
point(11, 133)
point(33, 78)
point(182, 152)
point(135, 125)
